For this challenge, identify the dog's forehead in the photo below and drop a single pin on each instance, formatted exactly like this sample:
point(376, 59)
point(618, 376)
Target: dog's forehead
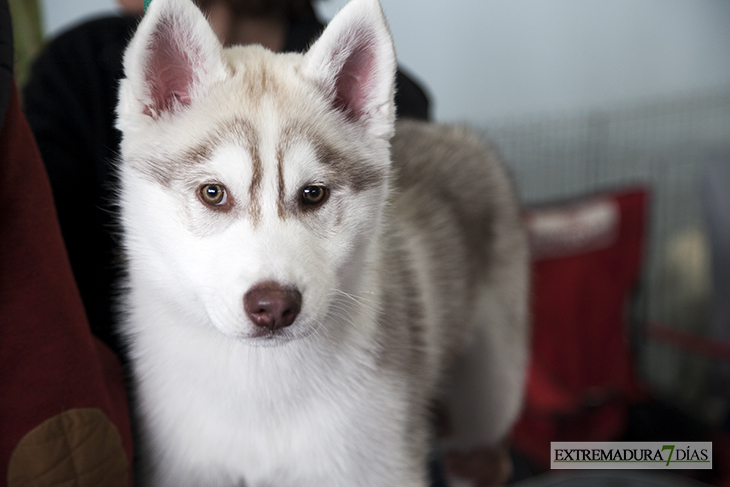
point(272, 139)
point(263, 102)
point(258, 76)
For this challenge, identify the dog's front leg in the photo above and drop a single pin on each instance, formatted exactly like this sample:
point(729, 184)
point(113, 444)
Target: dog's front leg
point(487, 380)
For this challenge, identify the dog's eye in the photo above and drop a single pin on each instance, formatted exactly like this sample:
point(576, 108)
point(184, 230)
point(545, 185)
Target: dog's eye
point(315, 195)
point(213, 194)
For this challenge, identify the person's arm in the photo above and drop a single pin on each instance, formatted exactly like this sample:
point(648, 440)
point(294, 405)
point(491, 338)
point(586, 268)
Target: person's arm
point(69, 101)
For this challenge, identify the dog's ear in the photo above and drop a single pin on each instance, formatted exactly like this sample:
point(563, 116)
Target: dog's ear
point(354, 61)
point(171, 59)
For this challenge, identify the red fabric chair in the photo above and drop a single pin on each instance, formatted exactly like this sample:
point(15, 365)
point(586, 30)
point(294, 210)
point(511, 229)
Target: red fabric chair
point(63, 413)
point(587, 259)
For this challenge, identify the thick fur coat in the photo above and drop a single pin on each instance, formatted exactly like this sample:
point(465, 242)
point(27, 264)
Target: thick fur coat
point(396, 264)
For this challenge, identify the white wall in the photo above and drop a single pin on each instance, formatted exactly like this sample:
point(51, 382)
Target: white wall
point(491, 59)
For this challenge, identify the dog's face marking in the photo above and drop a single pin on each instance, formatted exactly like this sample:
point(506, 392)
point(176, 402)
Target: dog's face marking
point(268, 168)
point(343, 168)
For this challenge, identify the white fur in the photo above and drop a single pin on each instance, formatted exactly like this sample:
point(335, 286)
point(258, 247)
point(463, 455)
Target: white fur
point(338, 398)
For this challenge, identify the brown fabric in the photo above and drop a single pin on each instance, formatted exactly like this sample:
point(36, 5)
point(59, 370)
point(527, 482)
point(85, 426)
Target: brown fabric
point(79, 447)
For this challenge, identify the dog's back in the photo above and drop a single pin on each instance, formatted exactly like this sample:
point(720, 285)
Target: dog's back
point(463, 268)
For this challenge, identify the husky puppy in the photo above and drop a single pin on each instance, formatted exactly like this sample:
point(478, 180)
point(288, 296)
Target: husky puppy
point(293, 297)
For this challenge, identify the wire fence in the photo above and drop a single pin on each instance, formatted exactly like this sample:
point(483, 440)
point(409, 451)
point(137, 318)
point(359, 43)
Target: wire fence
point(662, 144)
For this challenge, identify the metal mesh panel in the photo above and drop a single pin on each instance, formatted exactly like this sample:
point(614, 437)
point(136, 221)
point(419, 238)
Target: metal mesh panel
point(661, 144)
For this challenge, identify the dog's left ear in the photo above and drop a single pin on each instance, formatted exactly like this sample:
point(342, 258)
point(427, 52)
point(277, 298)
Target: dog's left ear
point(354, 61)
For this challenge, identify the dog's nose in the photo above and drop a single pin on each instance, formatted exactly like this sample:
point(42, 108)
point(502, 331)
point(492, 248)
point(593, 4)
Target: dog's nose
point(270, 305)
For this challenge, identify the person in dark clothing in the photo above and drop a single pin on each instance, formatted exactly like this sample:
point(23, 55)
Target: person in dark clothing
point(70, 103)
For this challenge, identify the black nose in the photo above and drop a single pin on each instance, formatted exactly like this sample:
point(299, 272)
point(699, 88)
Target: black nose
point(270, 305)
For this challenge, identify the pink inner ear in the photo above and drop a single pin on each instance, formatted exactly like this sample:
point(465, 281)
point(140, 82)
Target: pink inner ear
point(356, 79)
point(170, 68)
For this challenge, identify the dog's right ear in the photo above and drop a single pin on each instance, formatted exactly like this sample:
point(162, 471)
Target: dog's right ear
point(173, 57)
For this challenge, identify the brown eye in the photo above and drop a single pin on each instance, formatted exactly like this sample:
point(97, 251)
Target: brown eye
point(314, 195)
point(213, 194)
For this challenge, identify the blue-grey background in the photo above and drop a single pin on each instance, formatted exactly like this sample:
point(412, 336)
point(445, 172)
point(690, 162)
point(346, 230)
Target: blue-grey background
point(490, 59)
